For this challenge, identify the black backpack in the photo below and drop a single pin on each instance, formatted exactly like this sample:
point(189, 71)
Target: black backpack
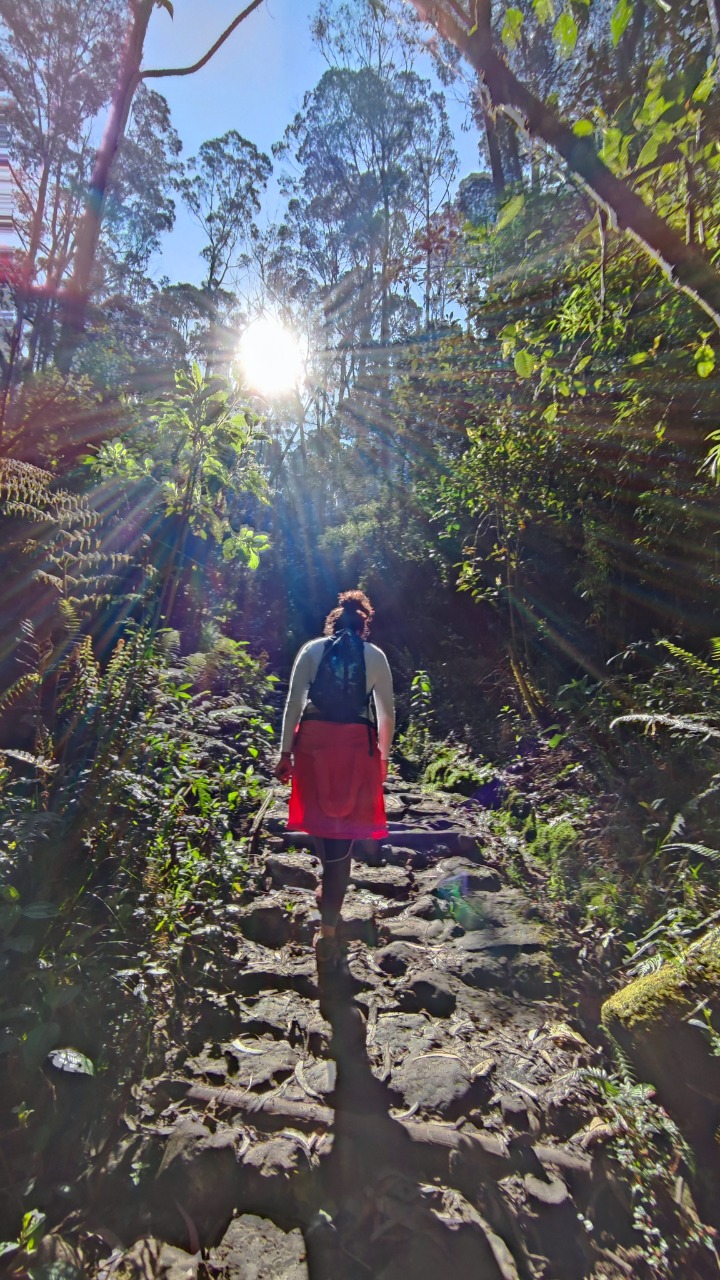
point(339, 688)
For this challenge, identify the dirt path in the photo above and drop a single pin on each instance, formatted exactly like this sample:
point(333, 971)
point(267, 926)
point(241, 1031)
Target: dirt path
point(421, 1117)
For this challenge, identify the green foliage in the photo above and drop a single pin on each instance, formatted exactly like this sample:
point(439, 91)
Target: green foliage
point(196, 467)
point(452, 768)
point(52, 539)
point(647, 1146)
point(416, 745)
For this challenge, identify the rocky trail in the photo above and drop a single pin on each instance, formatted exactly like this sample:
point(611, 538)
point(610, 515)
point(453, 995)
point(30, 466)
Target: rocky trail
point(428, 1114)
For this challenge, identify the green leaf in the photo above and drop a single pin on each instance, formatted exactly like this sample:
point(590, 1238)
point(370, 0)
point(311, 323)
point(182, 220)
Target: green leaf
point(509, 212)
point(544, 11)
point(524, 364)
point(512, 26)
point(565, 34)
point(583, 128)
point(40, 911)
point(622, 13)
point(33, 1230)
point(706, 85)
point(166, 4)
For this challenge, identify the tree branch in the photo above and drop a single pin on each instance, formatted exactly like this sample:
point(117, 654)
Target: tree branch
point(197, 66)
point(686, 267)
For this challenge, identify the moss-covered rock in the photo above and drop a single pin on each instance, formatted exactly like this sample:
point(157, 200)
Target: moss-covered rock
point(653, 1021)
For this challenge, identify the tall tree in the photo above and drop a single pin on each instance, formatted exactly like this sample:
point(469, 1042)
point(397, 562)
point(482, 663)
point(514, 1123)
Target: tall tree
point(56, 64)
point(140, 205)
point(128, 78)
point(221, 187)
point(470, 29)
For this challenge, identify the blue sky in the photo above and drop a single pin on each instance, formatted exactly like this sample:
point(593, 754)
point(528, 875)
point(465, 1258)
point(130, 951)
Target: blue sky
point(254, 84)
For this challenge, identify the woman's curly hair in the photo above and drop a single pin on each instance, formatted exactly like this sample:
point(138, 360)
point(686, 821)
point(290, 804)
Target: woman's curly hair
point(354, 613)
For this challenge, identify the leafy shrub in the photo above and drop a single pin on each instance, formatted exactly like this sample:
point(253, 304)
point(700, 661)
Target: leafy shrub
point(452, 768)
point(227, 667)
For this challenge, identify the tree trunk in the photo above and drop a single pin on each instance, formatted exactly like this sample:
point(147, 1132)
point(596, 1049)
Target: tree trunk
point(495, 154)
point(76, 295)
point(686, 267)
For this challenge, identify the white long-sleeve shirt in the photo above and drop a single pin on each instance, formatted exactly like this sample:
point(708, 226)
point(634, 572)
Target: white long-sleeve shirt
point(378, 683)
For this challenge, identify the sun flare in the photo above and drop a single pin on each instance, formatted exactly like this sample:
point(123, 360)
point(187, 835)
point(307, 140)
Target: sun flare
point(271, 357)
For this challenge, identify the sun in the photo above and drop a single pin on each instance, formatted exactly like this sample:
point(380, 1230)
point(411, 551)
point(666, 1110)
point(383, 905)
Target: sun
point(271, 357)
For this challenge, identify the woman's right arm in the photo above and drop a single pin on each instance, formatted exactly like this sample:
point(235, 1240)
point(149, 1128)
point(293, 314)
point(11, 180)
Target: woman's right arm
point(300, 680)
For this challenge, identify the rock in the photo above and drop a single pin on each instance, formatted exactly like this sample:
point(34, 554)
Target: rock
point(285, 1017)
point(426, 907)
point(256, 1249)
point(268, 924)
point(389, 882)
point(395, 959)
point(245, 1062)
point(459, 878)
point(176, 1264)
point(318, 1077)
point(199, 1171)
point(531, 974)
point(411, 929)
point(437, 1082)
point(394, 806)
point(649, 1020)
point(279, 1156)
point(397, 855)
point(433, 991)
point(501, 923)
point(148, 1259)
point(294, 870)
point(519, 1112)
point(404, 1035)
point(486, 972)
point(550, 1191)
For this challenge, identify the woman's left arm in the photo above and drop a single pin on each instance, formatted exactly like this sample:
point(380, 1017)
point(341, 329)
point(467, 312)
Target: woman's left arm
point(384, 703)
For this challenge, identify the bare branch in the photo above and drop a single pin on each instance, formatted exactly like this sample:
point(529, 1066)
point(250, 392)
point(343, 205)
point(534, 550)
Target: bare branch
point(197, 66)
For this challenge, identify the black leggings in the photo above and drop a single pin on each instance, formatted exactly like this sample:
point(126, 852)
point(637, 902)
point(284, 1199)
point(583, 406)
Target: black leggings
point(335, 856)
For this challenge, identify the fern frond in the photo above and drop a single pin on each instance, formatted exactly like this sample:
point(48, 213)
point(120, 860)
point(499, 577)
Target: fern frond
point(691, 660)
point(42, 763)
point(29, 680)
point(684, 724)
point(701, 850)
point(677, 826)
point(651, 964)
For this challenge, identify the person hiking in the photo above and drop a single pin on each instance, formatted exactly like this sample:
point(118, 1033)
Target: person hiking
point(337, 732)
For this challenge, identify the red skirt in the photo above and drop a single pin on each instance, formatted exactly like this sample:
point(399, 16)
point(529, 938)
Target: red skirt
point(337, 782)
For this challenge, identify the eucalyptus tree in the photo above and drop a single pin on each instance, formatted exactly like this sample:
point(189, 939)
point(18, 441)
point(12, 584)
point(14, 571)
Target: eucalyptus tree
point(598, 165)
point(129, 75)
point(140, 204)
point(221, 187)
point(56, 68)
